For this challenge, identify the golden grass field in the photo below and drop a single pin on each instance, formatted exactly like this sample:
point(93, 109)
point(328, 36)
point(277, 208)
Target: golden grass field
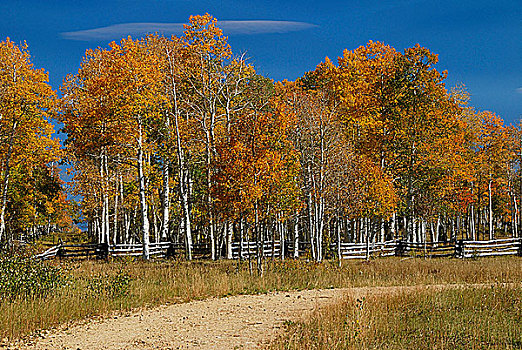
point(460, 318)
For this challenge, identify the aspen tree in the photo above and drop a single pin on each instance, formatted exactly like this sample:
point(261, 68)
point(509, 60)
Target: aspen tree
point(27, 145)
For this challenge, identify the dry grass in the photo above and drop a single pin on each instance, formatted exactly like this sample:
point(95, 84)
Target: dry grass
point(470, 318)
point(98, 288)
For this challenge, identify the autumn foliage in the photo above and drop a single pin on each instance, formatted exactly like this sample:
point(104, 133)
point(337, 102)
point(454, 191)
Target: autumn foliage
point(31, 198)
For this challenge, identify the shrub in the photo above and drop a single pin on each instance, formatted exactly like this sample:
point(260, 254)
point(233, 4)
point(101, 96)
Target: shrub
point(115, 286)
point(25, 277)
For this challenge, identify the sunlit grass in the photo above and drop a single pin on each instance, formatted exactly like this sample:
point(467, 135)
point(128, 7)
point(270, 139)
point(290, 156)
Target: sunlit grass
point(469, 318)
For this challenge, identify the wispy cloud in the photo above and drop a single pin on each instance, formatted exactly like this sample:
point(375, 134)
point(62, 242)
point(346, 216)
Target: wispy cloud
point(229, 28)
point(519, 90)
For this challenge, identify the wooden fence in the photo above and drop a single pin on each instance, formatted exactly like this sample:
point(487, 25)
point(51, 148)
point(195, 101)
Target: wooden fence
point(458, 249)
point(49, 253)
point(427, 249)
point(249, 249)
point(363, 250)
point(161, 249)
point(472, 249)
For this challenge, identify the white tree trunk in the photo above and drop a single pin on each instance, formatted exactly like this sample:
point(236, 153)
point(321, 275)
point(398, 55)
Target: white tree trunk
point(282, 232)
point(515, 216)
point(166, 202)
point(105, 194)
point(103, 233)
point(491, 233)
point(311, 225)
point(393, 226)
point(414, 230)
point(382, 236)
point(241, 238)
point(143, 198)
point(338, 229)
point(229, 233)
point(115, 230)
point(296, 238)
point(320, 229)
point(260, 240)
point(472, 223)
point(367, 237)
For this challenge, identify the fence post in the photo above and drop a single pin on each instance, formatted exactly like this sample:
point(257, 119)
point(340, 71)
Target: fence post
point(61, 251)
point(399, 248)
point(459, 249)
point(103, 250)
point(520, 247)
point(171, 250)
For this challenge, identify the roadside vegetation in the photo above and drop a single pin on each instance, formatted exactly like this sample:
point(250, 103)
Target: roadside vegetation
point(81, 289)
point(464, 318)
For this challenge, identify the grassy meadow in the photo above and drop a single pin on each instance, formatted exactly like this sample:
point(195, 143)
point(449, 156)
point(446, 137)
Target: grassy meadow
point(463, 318)
point(75, 290)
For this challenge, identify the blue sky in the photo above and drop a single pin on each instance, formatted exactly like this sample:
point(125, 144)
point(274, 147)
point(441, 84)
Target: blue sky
point(478, 42)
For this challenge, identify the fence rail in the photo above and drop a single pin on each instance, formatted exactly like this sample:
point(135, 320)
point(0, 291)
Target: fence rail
point(364, 250)
point(458, 249)
point(249, 249)
point(155, 249)
point(49, 253)
point(428, 249)
point(472, 249)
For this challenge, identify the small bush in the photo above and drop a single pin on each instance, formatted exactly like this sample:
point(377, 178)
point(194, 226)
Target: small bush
point(25, 277)
point(115, 286)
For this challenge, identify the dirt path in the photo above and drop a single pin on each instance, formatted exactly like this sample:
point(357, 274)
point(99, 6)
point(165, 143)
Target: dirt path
point(238, 322)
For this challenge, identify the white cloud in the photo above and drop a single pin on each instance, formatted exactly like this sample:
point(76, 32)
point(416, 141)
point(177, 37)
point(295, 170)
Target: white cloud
point(262, 27)
point(519, 90)
point(229, 28)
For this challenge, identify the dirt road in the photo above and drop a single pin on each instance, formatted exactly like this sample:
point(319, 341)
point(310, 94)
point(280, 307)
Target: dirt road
point(238, 322)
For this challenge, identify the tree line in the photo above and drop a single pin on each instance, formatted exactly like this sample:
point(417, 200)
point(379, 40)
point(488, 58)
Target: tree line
point(180, 139)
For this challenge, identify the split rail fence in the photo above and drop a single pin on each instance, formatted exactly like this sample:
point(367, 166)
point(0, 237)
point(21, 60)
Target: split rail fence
point(458, 249)
point(249, 249)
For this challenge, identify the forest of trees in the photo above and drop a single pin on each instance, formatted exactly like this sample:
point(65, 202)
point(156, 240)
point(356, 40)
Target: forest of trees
point(179, 139)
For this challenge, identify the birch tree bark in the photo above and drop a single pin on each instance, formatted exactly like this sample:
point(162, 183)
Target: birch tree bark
point(143, 195)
